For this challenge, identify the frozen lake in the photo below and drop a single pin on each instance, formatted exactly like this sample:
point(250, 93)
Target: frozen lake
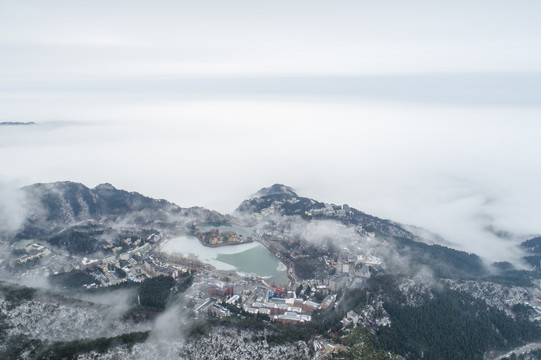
point(251, 258)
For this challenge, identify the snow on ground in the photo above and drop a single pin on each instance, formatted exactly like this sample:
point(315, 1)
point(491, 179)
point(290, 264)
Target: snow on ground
point(48, 319)
point(222, 344)
point(497, 295)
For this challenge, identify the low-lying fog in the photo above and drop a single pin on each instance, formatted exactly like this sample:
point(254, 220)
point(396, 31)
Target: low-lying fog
point(462, 172)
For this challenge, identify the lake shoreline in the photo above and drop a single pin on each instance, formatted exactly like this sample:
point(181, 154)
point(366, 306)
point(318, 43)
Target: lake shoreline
point(252, 258)
point(223, 244)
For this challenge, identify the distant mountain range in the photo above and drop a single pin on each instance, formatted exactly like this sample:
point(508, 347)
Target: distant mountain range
point(59, 205)
point(16, 123)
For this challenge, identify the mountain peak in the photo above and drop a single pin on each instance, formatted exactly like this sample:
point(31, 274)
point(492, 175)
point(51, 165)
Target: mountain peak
point(276, 189)
point(105, 186)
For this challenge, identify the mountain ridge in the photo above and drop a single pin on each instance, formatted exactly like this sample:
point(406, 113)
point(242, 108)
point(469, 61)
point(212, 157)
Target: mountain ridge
point(52, 206)
point(62, 204)
point(392, 285)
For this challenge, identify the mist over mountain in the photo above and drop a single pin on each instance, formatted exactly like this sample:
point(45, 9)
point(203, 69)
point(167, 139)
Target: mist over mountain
point(66, 212)
point(66, 203)
point(97, 258)
point(276, 189)
point(393, 145)
point(285, 201)
point(55, 208)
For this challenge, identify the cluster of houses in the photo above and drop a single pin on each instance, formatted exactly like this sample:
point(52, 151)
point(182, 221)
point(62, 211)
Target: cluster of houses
point(216, 238)
point(255, 298)
point(32, 252)
point(290, 310)
point(330, 210)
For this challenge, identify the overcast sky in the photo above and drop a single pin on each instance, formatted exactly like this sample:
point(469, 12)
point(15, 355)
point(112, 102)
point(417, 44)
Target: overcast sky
point(425, 112)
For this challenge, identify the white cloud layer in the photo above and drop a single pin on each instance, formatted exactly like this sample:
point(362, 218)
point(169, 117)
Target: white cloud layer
point(452, 170)
point(99, 39)
point(424, 112)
